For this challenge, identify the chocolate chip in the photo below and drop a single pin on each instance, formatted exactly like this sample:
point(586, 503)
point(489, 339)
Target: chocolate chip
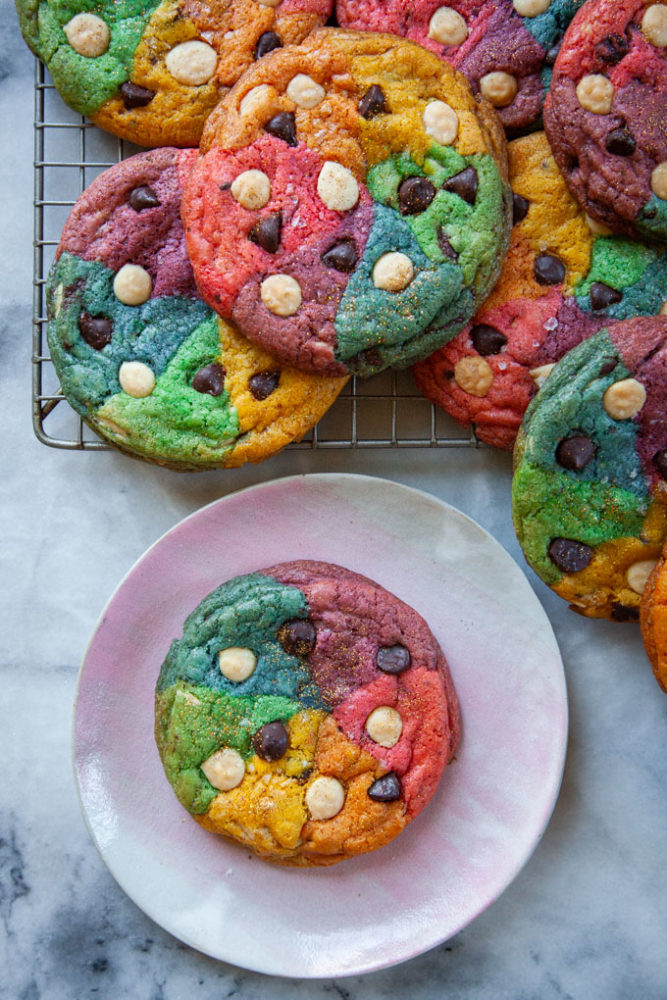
point(267, 42)
point(569, 556)
point(448, 250)
point(607, 367)
point(520, 208)
point(263, 384)
point(271, 741)
point(373, 102)
point(552, 54)
point(575, 452)
point(135, 96)
point(393, 659)
point(622, 613)
point(415, 194)
point(620, 142)
point(612, 48)
point(266, 232)
point(143, 197)
point(342, 256)
point(371, 358)
point(602, 296)
point(97, 331)
point(283, 126)
point(463, 184)
point(660, 462)
point(549, 270)
point(487, 339)
point(210, 379)
point(298, 637)
point(386, 789)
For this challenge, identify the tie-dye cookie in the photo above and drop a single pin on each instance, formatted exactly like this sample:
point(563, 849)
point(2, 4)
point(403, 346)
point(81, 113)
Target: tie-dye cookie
point(564, 278)
point(150, 71)
point(306, 712)
point(606, 111)
point(589, 489)
point(140, 357)
point(653, 616)
point(505, 48)
point(350, 210)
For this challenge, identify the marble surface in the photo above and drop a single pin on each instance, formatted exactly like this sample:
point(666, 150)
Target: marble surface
point(584, 919)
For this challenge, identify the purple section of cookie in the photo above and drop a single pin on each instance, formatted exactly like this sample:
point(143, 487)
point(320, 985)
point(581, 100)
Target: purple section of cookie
point(642, 346)
point(572, 326)
point(104, 226)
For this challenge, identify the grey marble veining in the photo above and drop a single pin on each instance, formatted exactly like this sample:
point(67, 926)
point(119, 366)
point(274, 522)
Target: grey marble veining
point(585, 918)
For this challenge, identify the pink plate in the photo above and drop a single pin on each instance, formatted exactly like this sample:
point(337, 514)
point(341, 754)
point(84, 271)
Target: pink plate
point(492, 804)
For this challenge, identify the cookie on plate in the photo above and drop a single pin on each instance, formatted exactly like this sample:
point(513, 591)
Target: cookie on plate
point(139, 356)
point(306, 712)
point(605, 114)
point(350, 209)
point(505, 48)
point(653, 619)
point(150, 71)
point(564, 278)
point(589, 490)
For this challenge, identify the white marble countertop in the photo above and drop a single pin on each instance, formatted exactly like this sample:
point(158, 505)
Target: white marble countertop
point(584, 919)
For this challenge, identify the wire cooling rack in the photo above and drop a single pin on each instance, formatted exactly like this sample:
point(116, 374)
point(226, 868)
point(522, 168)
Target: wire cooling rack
point(382, 412)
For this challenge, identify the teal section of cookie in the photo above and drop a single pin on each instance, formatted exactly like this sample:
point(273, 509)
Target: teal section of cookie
point(550, 25)
point(248, 612)
point(636, 270)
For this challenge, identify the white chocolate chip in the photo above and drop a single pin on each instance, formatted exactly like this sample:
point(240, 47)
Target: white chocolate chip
point(654, 25)
point(474, 375)
point(136, 379)
point(595, 93)
point(659, 181)
point(624, 399)
point(192, 63)
point(268, 3)
point(447, 27)
point(225, 769)
point(281, 294)
point(441, 122)
point(132, 285)
point(58, 299)
point(663, 309)
point(252, 189)
point(393, 272)
point(531, 8)
point(598, 228)
point(325, 798)
point(88, 35)
point(237, 663)
point(384, 726)
point(304, 91)
point(255, 98)
point(541, 374)
point(337, 187)
point(188, 697)
point(638, 574)
point(499, 88)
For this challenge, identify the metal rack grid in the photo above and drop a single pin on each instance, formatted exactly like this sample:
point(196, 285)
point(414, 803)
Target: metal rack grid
point(382, 412)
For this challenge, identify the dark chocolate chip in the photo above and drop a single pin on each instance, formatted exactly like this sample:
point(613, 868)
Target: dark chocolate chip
point(386, 789)
point(373, 102)
point(602, 296)
point(463, 184)
point(263, 384)
point(267, 42)
point(271, 741)
point(612, 48)
point(448, 250)
point(520, 208)
point(342, 256)
point(415, 194)
point(622, 613)
point(552, 54)
point(371, 357)
point(298, 637)
point(620, 142)
point(135, 96)
point(575, 452)
point(549, 270)
point(487, 339)
point(607, 367)
point(660, 462)
point(225, 186)
point(266, 232)
point(210, 379)
point(283, 126)
point(393, 659)
point(143, 197)
point(569, 556)
point(97, 331)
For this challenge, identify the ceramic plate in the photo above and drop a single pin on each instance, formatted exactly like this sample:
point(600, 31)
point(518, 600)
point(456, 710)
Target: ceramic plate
point(491, 806)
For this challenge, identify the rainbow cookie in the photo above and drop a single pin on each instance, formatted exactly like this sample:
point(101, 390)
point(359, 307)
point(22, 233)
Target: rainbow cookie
point(139, 356)
point(350, 209)
point(306, 713)
point(589, 490)
point(653, 619)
